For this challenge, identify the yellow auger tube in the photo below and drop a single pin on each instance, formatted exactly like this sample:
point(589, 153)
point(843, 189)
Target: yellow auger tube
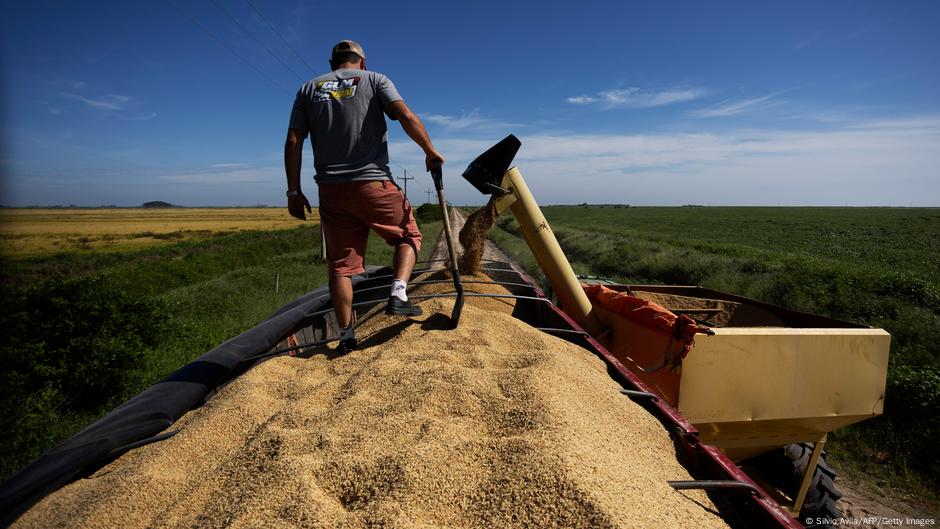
point(541, 240)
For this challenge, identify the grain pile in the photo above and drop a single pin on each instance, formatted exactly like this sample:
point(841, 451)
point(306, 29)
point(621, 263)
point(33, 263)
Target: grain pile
point(723, 313)
point(490, 425)
point(473, 236)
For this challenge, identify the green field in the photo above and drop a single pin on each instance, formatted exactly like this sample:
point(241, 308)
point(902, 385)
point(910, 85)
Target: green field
point(85, 330)
point(878, 266)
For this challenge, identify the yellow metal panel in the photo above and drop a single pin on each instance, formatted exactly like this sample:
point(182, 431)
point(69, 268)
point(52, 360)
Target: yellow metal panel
point(749, 385)
point(541, 240)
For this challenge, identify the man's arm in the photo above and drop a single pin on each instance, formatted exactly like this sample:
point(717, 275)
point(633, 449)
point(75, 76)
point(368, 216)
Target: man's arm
point(293, 156)
point(398, 110)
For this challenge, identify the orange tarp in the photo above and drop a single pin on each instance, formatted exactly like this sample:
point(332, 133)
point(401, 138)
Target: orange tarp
point(647, 338)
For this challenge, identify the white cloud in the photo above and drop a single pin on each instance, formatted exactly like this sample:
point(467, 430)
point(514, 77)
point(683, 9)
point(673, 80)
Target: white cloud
point(581, 100)
point(55, 111)
point(637, 98)
point(117, 105)
point(911, 125)
point(465, 121)
point(879, 162)
point(107, 102)
point(731, 107)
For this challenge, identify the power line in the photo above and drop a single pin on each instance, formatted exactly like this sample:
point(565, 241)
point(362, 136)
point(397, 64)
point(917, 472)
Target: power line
point(227, 47)
point(405, 179)
point(267, 49)
point(278, 33)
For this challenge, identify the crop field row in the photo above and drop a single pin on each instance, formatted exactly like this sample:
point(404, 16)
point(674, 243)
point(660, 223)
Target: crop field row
point(42, 232)
point(886, 239)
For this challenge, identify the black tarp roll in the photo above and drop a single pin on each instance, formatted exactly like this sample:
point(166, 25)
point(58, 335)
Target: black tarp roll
point(154, 409)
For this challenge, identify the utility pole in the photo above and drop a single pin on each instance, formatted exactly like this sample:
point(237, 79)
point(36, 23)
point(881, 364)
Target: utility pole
point(429, 195)
point(405, 179)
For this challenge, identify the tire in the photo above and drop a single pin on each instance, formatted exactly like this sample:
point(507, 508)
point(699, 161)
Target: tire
point(784, 468)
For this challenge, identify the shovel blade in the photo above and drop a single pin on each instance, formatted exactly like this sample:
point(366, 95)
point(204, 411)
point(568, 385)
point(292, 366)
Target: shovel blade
point(458, 303)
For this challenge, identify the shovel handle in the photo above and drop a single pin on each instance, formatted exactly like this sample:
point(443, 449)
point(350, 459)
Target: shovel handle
point(437, 174)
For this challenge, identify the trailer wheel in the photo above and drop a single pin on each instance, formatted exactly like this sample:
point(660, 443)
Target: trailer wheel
point(784, 468)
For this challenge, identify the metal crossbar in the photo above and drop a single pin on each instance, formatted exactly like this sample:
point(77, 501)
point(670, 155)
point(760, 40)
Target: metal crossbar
point(715, 484)
point(422, 296)
point(331, 309)
point(562, 331)
point(297, 348)
point(425, 261)
point(636, 393)
point(478, 295)
point(438, 281)
point(430, 296)
point(392, 274)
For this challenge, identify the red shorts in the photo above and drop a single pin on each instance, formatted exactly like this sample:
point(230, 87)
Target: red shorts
point(349, 209)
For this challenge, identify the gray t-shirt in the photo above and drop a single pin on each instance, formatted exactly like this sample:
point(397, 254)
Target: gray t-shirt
point(344, 113)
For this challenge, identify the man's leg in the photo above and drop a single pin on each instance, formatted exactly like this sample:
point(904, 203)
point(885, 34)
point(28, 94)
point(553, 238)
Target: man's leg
point(389, 214)
point(346, 238)
point(404, 261)
point(398, 303)
point(341, 293)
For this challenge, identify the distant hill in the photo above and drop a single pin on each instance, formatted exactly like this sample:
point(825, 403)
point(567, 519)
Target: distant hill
point(158, 204)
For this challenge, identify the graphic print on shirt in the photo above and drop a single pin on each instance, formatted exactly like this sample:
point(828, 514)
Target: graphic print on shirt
point(335, 90)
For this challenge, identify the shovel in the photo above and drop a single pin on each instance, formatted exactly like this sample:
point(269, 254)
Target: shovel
point(438, 176)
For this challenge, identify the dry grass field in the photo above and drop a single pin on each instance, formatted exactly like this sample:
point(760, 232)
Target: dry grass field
point(40, 232)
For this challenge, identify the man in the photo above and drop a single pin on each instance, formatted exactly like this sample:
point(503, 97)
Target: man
point(344, 113)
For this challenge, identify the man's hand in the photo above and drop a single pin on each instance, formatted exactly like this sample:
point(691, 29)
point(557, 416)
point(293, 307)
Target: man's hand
point(296, 205)
point(433, 159)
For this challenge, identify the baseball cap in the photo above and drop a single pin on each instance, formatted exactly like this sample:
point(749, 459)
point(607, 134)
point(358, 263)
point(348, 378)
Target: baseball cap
point(349, 46)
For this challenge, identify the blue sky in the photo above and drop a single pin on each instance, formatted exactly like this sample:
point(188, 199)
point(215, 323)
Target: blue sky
point(656, 103)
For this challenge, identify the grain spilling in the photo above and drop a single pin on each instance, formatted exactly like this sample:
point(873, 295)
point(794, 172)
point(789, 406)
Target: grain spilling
point(473, 236)
point(494, 424)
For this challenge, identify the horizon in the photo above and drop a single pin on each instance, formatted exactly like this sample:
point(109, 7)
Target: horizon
point(825, 105)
